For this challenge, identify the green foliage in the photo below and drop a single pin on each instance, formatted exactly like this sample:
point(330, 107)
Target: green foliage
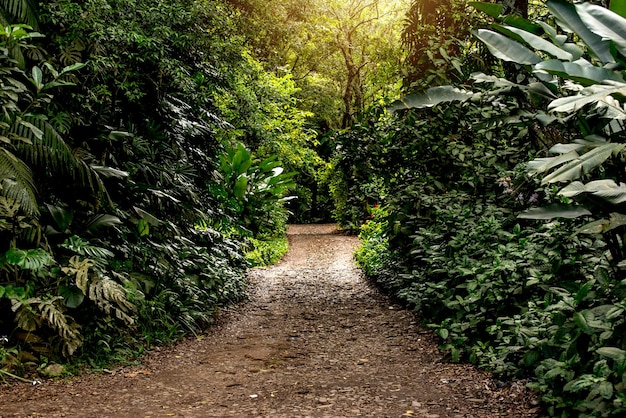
point(373, 254)
point(522, 298)
point(267, 118)
point(436, 35)
point(266, 252)
point(343, 55)
point(97, 258)
point(254, 191)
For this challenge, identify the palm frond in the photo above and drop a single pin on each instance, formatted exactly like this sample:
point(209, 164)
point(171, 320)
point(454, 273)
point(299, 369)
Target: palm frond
point(48, 151)
point(16, 182)
point(20, 11)
point(46, 148)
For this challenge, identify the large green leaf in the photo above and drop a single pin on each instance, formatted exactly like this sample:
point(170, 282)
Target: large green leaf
point(568, 18)
point(493, 10)
point(101, 220)
point(431, 97)
point(613, 353)
point(496, 10)
point(604, 23)
point(580, 71)
point(556, 210)
point(72, 296)
point(109, 171)
point(506, 49)
point(583, 164)
point(537, 42)
point(606, 189)
point(240, 187)
point(584, 320)
point(591, 94)
point(558, 39)
point(544, 164)
point(62, 217)
point(33, 259)
point(616, 220)
point(147, 217)
point(521, 23)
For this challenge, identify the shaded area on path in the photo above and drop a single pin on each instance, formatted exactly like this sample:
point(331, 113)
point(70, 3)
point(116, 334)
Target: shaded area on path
point(314, 340)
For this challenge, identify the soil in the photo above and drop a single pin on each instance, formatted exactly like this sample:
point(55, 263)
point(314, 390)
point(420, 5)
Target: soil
point(314, 340)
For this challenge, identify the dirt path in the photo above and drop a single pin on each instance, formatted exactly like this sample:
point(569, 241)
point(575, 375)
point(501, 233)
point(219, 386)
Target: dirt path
point(314, 341)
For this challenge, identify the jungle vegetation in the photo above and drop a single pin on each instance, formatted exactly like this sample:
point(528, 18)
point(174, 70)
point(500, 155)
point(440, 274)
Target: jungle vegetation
point(152, 151)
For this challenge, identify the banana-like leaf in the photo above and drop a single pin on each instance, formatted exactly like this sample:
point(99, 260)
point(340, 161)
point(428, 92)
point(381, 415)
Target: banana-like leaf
point(583, 164)
point(521, 23)
point(568, 18)
point(536, 42)
point(109, 171)
point(490, 9)
point(556, 210)
point(606, 189)
point(580, 71)
point(496, 10)
point(613, 109)
point(241, 185)
point(591, 94)
point(544, 164)
point(595, 227)
point(605, 23)
point(557, 38)
point(430, 98)
point(506, 49)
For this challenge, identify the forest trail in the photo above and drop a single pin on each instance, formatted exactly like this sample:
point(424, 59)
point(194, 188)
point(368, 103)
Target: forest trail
point(314, 340)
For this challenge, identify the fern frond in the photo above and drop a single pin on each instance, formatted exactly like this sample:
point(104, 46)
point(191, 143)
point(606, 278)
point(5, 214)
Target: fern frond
point(16, 182)
point(46, 149)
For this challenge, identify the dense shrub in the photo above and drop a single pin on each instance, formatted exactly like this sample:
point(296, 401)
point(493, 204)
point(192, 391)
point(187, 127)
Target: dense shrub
point(524, 293)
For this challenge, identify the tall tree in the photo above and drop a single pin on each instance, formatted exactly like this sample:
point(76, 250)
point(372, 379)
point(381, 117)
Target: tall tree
point(349, 49)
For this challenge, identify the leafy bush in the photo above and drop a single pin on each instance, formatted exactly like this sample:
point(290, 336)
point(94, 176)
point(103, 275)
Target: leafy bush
point(104, 182)
point(253, 191)
point(524, 298)
point(266, 252)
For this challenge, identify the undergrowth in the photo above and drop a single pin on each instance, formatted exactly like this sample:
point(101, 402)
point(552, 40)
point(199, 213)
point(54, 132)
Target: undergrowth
point(266, 252)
